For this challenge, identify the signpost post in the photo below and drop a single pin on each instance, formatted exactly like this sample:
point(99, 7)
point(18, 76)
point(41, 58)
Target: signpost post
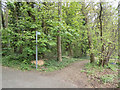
point(37, 33)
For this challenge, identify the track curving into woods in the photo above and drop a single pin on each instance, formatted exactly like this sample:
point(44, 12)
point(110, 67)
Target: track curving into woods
point(68, 77)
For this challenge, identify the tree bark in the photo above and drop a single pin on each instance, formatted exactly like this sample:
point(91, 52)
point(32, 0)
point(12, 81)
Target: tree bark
point(2, 17)
point(106, 59)
point(0, 35)
point(119, 32)
point(92, 58)
point(6, 18)
point(70, 51)
point(59, 53)
point(101, 35)
point(6, 24)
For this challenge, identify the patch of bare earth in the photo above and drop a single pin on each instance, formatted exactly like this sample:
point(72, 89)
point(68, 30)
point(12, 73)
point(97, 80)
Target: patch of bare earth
point(73, 74)
point(96, 82)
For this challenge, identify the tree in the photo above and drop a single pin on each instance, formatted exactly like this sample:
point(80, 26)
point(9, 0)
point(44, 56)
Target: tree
point(108, 42)
point(101, 35)
point(2, 16)
point(85, 13)
point(119, 32)
point(59, 53)
point(74, 40)
point(73, 29)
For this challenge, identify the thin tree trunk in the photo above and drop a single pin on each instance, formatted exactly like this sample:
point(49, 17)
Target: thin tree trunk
point(119, 32)
point(106, 59)
point(59, 53)
point(6, 24)
point(6, 18)
point(92, 59)
point(2, 17)
point(70, 51)
point(101, 35)
point(0, 33)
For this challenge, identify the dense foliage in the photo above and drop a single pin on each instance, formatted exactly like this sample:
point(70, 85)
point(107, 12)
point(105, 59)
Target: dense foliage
point(86, 29)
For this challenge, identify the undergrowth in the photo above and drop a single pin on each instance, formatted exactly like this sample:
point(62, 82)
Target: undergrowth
point(52, 65)
point(22, 65)
point(108, 78)
point(49, 65)
point(91, 68)
point(94, 69)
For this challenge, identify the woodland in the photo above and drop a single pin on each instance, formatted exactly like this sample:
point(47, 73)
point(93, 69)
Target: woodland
point(69, 32)
point(73, 29)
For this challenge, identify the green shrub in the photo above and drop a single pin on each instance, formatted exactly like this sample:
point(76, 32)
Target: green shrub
point(53, 65)
point(113, 67)
point(24, 66)
point(107, 78)
point(50, 65)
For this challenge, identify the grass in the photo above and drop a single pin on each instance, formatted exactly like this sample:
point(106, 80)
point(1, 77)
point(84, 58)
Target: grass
point(52, 65)
point(108, 78)
point(91, 68)
point(112, 67)
point(16, 64)
point(49, 66)
point(100, 73)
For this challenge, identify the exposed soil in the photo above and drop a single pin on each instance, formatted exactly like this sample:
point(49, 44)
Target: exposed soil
point(73, 74)
point(96, 82)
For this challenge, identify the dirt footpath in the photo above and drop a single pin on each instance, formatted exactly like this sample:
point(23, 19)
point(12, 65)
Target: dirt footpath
point(69, 77)
point(73, 74)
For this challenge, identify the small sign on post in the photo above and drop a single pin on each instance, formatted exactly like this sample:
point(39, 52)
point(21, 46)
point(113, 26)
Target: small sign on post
point(37, 33)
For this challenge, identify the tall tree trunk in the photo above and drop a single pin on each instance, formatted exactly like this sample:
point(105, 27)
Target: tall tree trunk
point(16, 31)
point(6, 18)
point(59, 53)
point(119, 40)
point(0, 34)
point(101, 35)
point(6, 24)
point(70, 50)
point(2, 17)
point(92, 58)
point(119, 32)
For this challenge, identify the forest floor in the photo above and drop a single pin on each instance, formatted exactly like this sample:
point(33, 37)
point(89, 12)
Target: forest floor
point(73, 74)
point(68, 77)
